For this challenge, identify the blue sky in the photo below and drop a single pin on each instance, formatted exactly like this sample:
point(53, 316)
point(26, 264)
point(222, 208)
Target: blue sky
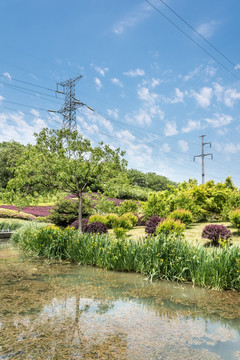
point(154, 91)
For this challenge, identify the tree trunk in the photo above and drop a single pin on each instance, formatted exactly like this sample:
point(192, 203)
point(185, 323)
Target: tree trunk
point(80, 213)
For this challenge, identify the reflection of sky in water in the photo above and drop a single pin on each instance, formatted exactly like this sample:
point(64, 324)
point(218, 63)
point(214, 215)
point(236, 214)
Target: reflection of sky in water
point(64, 311)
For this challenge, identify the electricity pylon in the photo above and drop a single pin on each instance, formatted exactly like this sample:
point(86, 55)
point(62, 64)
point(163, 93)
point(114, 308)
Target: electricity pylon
point(203, 156)
point(71, 103)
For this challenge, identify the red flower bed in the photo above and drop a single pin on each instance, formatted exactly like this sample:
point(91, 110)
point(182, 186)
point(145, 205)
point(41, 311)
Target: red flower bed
point(32, 210)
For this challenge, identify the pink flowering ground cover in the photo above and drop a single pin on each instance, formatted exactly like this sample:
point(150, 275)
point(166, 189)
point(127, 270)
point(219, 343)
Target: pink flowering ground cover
point(31, 210)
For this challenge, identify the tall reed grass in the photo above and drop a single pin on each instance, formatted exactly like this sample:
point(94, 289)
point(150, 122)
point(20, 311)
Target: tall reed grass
point(160, 257)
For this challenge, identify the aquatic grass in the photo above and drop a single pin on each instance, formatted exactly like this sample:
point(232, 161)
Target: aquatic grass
point(160, 257)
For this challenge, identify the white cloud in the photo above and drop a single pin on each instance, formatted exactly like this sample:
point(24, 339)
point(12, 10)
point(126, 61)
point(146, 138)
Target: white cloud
point(117, 82)
point(135, 73)
point(237, 67)
point(113, 113)
point(183, 145)
point(101, 71)
point(178, 98)
point(98, 83)
point(141, 117)
point(139, 155)
point(192, 73)
point(203, 98)
point(145, 95)
point(207, 29)
point(230, 96)
point(210, 70)
point(191, 126)
point(165, 147)
point(218, 91)
point(170, 129)
point(125, 136)
point(140, 13)
point(232, 148)
point(1, 98)
point(7, 75)
point(219, 120)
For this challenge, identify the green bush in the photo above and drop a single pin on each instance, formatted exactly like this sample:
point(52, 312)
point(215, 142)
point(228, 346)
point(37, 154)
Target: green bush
point(127, 206)
point(14, 214)
point(170, 227)
point(98, 218)
point(11, 225)
point(112, 220)
point(124, 223)
point(234, 217)
point(66, 211)
point(119, 232)
point(130, 217)
point(183, 215)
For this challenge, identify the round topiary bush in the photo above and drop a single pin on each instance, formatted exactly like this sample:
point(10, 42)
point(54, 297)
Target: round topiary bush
point(185, 216)
point(170, 227)
point(234, 217)
point(96, 228)
point(152, 224)
point(216, 232)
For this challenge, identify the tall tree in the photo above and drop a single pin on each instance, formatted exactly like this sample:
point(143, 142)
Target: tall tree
point(64, 160)
point(10, 153)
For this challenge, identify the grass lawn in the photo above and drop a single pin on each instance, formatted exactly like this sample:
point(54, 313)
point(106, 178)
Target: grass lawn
point(193, 234)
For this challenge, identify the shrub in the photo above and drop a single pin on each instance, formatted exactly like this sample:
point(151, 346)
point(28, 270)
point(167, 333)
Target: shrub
point(119, 232)
point(141, 220)
point(96, 228)
point(183, 215)
point(127, 206)
point(98, 218)
point(170, 227)
point(10, 225)
point(234, 217)
point(216, 232)
point(7, 213)
point(75, 224)
point(112, 220)
point(124, 223)
point(130, 217)
point(152, 224)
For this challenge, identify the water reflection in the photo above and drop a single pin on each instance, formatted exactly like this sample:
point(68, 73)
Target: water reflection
point(63, 311)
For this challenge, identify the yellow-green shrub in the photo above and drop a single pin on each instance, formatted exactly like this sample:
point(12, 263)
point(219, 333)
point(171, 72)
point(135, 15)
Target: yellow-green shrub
point(170, 226)
point(183, 215)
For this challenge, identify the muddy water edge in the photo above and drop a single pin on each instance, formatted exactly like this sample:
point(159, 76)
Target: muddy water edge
point(51, 310)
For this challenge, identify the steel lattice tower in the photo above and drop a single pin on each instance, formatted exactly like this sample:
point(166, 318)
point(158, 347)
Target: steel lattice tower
point(71, 104)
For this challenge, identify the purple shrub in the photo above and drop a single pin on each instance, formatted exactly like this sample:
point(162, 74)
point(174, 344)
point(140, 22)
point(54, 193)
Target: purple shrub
point(96, 228)
point(75, 224)
point(216, 232)
point(152, 224)
point(141, 220)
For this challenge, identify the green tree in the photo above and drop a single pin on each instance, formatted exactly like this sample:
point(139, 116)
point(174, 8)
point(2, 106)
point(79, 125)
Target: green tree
point(64, 160)
point(10, 153)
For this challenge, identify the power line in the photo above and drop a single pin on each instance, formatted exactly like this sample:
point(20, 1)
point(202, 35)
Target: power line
point(190, 38)
point(198, 33)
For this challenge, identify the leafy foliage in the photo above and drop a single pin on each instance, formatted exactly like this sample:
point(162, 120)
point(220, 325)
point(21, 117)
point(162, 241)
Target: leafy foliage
point(185, 216)
point(64, 160)
point(216, 232)
point(14, 214)
point(170, 227)
point(130, 217)
point(75, 224)
point(119, 232)
point(152, 224)
point(234, 217)
point(66, 211)
point(127, 206)
point(98, 218)
point(149, 180)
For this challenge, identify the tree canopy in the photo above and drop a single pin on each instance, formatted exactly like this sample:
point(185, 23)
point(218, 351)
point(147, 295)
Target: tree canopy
point(64, 160)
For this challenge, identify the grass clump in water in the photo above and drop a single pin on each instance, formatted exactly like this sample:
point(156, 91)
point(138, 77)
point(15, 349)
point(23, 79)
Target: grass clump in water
point(161, 257)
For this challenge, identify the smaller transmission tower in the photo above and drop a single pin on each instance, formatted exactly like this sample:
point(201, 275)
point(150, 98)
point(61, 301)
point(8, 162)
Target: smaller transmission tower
point(71, 103)
point(203, 156)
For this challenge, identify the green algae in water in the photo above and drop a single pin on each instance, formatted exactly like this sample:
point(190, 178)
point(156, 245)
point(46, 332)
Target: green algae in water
point(52, 310)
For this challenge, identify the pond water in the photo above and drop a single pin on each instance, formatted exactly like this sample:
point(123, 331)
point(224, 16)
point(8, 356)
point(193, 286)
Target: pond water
point(64, 311)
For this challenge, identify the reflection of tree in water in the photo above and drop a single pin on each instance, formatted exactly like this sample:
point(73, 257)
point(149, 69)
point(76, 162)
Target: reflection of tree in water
point(61, 331)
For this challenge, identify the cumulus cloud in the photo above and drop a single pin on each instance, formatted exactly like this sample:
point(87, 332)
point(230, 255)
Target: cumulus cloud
point(117, 82)
point(101, 71)
point(232, 148)
point(125, 136)
point(165, 147)
point(135, 73)
point(191, 126)
point(207, 29)
point(98, 83)
point(230, 96)
point(140, 117)
point(170, 129)
point(145, 95)
point(1, 98)
point(7, 75)
point(178, 98)
point(113, 113)
point(183, 145)
point(203, 98)
point(219, 120)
